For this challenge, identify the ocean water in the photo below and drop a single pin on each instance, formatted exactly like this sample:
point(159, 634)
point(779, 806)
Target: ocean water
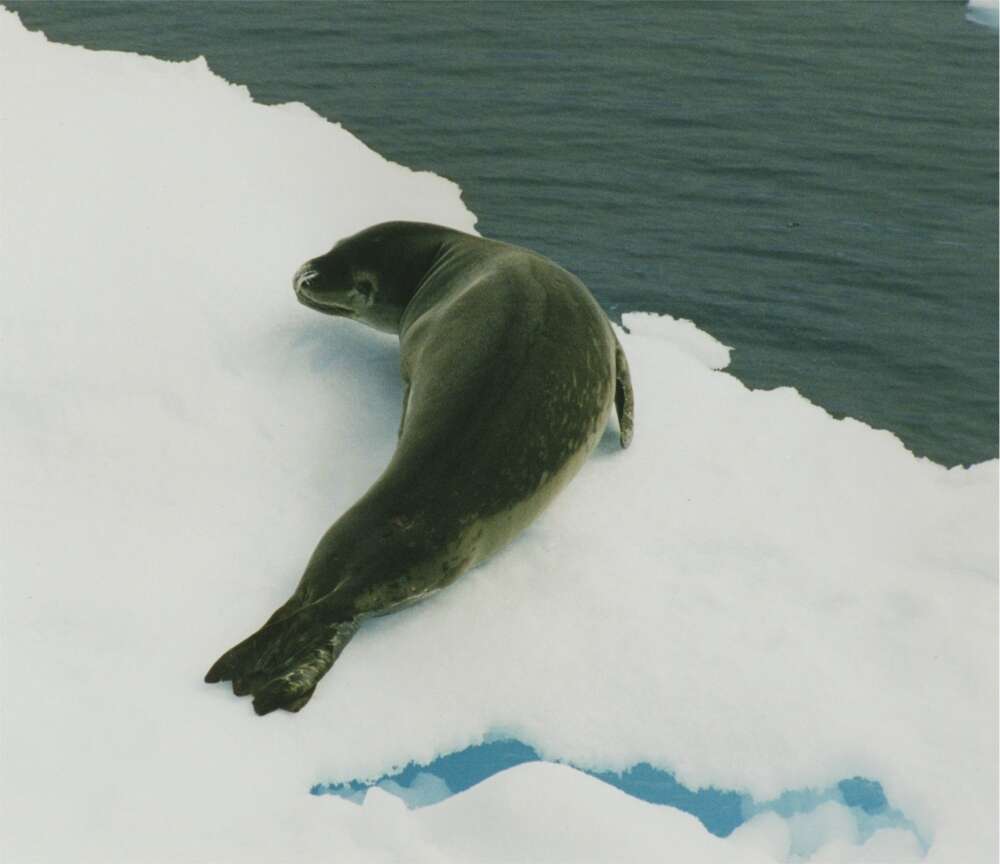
point(815, 184)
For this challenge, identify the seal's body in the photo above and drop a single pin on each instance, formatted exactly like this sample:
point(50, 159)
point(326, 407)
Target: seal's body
point(511, 370)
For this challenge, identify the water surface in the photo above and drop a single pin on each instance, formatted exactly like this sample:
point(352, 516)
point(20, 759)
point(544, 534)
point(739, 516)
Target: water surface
point(814, 184)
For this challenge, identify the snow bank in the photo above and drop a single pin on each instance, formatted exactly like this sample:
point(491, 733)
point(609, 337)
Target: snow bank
point(755, 596)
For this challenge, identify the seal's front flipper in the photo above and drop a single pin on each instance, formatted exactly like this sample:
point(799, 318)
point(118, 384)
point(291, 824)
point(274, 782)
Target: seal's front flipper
point(406, 402)
point(624, 398)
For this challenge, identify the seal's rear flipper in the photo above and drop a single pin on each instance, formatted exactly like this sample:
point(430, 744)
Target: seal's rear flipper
point(236, 660)
point(624, 398)
point(294, 687)
point(282, 663)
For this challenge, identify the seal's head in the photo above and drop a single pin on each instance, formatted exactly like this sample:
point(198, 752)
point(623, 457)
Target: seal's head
point(372, 275)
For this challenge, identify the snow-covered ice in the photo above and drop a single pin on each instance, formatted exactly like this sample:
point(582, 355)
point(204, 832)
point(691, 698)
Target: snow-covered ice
point(755, 596)
point(983, 12)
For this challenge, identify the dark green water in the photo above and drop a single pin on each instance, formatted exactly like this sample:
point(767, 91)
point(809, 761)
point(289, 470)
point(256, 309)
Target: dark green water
point(814, 184)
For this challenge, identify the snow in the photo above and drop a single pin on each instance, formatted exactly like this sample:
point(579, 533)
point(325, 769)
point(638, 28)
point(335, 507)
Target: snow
point(755, 596)
point(983, 12)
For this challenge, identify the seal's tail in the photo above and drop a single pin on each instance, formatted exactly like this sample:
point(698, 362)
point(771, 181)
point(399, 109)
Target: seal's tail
point(282, 663)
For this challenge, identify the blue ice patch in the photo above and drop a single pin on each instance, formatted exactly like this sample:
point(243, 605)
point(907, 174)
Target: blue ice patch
point(720, 811)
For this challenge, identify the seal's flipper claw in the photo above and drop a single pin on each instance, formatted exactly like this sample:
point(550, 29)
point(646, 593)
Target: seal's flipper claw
point(227, 667)
point(269, 699)
point(280, 693)
point(220, 670)
point(299, 703)
point(239, 660)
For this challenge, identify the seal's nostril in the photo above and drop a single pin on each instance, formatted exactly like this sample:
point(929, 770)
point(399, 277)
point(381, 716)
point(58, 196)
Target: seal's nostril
point(303, 278)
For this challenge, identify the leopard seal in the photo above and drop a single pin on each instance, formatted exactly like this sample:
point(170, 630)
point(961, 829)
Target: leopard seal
point(511, 369)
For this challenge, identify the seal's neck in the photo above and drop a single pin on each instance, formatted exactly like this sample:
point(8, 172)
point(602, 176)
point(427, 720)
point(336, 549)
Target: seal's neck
point(432, 254)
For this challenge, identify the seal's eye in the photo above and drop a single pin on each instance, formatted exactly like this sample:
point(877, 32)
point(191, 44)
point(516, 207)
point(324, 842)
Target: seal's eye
point(365, 287)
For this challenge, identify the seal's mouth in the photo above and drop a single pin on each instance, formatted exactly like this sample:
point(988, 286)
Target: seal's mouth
point(328, 308)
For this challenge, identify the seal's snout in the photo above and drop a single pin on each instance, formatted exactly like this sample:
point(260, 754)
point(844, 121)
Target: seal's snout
point(303, 276)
